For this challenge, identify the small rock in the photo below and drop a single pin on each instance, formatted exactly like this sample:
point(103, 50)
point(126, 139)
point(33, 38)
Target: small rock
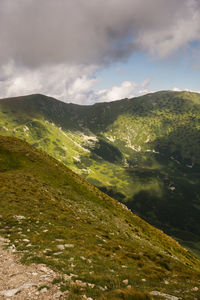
point(12, 292)
point(82, 257)
point(195, 289)
point(57, 253)
point(71, 259)
point(46, 250)
point(81, 283)
point(67, 277)
point(125, 281)
point(13, 248)
point(58, 295)
point(44, 269)
point(69, 245)
point(73, 275)
point(19, 217)
point(61, 247)
point(167, 297)
point(72, 265)
point(44, 290)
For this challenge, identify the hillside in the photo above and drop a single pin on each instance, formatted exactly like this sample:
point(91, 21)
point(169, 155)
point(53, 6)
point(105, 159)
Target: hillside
point(144, 151)
point(102, 250)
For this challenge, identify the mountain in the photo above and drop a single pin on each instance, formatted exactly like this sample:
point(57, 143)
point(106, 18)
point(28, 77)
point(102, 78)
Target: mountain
point(102, 250)
point(143, 151)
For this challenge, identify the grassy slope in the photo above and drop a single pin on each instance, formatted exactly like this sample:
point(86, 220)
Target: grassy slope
point(43, 204)
point(144, 151)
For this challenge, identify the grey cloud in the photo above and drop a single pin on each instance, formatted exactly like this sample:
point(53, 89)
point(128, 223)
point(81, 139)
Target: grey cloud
point(35, 33)
point(56, 46)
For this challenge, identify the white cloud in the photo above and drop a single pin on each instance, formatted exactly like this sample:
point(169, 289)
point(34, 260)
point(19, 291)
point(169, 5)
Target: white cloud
point(175, 89)
point(127, 89)
point(145, 91)
point(69, 83)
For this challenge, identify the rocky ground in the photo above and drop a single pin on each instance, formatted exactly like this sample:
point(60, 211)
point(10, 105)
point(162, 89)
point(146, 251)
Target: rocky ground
point(20, 282)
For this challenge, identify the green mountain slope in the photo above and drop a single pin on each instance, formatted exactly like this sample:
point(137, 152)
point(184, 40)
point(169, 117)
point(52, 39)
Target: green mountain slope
point(53, 216)
point(143, 151)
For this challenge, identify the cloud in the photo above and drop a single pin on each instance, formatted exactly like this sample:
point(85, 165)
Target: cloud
point(89, 32)
point(146, 82)
point(64, 82)
point(175, 89)
point(55, 47)
point(127, 89)
point(73, 83)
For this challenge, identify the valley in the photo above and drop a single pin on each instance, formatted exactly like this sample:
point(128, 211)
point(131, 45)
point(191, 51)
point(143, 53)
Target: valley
point(144, 152)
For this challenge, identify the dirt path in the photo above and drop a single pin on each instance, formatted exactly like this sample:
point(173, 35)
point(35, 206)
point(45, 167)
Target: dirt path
point(20, 282)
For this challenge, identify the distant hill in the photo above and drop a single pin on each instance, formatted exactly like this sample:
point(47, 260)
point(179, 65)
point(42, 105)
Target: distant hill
point(143, 151)
point(53, 216)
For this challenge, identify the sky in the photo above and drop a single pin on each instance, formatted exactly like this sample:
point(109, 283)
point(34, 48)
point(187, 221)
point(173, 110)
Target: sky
point(87, 51)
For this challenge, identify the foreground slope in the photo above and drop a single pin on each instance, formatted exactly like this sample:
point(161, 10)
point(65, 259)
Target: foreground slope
point(143, 151)
point(53, 216)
